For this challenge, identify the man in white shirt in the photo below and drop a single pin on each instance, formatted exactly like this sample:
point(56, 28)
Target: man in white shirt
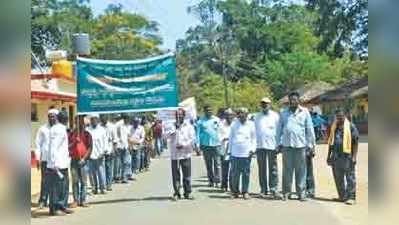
point(122, 132)
point(242, 145)
point(181, 147)
point(41, 152)
point(136, 146)
point(266, 123)
point(110, 130)
point(224, 136)
point(97, 170)
point(58, 161)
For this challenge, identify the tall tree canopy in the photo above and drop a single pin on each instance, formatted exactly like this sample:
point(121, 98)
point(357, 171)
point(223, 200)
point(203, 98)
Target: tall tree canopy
point(281, 44)
point(115, 34)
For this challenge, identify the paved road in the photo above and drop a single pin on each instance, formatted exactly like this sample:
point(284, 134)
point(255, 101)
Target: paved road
point(147, 202)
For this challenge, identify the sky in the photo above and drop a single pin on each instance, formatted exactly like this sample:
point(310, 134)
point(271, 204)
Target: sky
point(171, 15)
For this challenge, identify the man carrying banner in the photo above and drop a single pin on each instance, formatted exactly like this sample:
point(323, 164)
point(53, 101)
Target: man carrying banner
point(80, 143)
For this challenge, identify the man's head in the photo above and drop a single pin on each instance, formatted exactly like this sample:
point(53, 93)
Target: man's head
point(208, 111)
point(81, 121)
point(136, 122)
point(293, 99)
point(180, 115)
point(125, 118)
point(340, 116)
point(229, 115)
point(52, 116)
point(265, 104)
point(94, 120)
point(104, 118)
point(242, 114)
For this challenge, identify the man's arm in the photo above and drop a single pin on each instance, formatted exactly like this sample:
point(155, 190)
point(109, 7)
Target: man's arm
point(89, 147)
point(39, 143)
point(279, 132)
point(309, 132)
point(355, 142)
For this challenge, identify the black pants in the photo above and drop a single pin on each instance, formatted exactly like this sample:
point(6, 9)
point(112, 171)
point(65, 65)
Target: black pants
point(57, 189)
point(344, 176)
point(185, 166)
point(225, 173)
point(212, 163)
point(310, 184)
point(43, 184)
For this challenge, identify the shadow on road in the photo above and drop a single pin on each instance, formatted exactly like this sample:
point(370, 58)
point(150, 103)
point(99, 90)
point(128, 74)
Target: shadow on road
point(39, 213)
point(210, 190)
point(162, 198)
point(198, 185)
point(325, 199)
point(219, 196)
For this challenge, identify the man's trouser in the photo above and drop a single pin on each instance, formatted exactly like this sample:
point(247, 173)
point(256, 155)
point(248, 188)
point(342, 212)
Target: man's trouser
point(56, 186)
point(158, 146)
point(109, 167)
point(240, 168)
point(79, 181)
point(146, 156)
point(178, 167)
point(267, 166)
point(294, 161)
point(310, 183)
point(118, 164)
point(97, 171)
point(136, 156)
point(212, 163)
point(225, 172)
point(44, 193)
point(344, 176)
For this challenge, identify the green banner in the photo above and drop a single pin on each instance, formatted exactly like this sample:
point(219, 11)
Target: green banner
point(108, 86)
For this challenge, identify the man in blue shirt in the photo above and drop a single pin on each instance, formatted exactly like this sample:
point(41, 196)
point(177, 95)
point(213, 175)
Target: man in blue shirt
point(208, 130)
point(295, 137)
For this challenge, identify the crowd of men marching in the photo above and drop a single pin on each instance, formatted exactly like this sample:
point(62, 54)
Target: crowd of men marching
point(114, 149)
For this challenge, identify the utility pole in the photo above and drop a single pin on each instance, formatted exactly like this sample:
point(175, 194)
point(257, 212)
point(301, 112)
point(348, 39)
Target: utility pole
point(226, 96)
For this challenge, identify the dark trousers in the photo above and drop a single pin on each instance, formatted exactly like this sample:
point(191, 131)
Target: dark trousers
point(310, 184)
point(79, 181)
point(146, 156)
point(44, 193)
point(117, 175)
point(181, 166)
point(344, 177)
point(267, 166)
point(240, 168)
point(225, 173)
point(212, 163)
point(137, 160)
point(109, 170)
point(56, 189)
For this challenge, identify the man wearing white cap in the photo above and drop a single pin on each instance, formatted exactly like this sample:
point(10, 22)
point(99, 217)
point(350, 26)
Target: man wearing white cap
point(97, 166)
point(266, 123)
point(57, 164)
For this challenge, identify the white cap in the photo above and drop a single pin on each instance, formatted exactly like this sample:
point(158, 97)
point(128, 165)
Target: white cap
point(94, 115)
point(53, 111)
point(266, 100)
